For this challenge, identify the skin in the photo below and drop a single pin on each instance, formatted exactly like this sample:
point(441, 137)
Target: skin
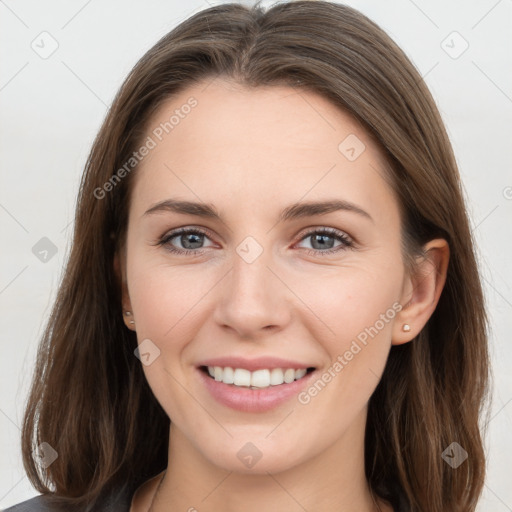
point(251, 153)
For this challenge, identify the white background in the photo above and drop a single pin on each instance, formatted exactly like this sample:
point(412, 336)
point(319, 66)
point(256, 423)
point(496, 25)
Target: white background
point(52, 108)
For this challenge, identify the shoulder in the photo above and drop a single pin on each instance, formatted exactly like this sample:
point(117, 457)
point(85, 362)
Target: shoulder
point(117, 501)
point(38, 503)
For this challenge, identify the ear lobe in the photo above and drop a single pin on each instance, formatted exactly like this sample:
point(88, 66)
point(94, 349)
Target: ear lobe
point(120, 273)
point(422, 291)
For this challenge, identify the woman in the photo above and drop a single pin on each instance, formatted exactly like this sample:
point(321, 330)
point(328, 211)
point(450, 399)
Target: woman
point(272, 300)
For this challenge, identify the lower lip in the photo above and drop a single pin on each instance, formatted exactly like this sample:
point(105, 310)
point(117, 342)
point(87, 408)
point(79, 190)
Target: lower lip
point(253, 400)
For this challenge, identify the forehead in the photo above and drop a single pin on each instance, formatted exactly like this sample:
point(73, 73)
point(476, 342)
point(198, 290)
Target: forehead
point(265, 143)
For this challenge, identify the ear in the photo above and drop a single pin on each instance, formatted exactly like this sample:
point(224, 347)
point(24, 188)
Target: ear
point(421, 291)
point(120, 272)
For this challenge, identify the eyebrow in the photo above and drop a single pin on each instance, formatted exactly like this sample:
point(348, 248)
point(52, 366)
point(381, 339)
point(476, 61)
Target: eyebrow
point(294, 211)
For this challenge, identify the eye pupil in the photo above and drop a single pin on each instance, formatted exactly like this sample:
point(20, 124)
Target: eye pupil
point(196, 239)
point(320, 238)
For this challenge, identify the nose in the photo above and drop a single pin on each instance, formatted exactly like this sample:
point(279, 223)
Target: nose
point(254, 299)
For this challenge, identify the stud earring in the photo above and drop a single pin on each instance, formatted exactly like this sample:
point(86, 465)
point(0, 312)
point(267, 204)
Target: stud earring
point(406, 328)
point(129, 313)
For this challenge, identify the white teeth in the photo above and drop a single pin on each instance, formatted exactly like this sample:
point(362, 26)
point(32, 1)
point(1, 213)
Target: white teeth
point(300, 373)
point(276, 377)
point(260, 378)
point(228, 376)
point(289, 376)
point(257, 379)
point(242, 377)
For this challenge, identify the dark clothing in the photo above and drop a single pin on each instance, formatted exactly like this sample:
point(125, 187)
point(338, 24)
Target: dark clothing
point(116, 502)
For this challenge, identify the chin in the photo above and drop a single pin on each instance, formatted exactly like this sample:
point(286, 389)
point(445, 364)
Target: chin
point(257, 457)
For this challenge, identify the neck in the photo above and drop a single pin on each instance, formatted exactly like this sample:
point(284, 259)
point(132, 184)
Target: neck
point(333, 480)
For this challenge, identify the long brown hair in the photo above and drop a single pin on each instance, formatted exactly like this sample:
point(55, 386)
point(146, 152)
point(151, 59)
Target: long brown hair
point(89, 398)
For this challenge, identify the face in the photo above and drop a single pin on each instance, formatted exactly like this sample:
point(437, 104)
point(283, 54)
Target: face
point(264, 286)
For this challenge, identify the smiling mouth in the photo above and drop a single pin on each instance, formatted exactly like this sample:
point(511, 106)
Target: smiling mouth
point(258, 379)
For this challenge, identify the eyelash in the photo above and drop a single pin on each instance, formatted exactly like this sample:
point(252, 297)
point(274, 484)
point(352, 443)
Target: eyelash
point(346, 242)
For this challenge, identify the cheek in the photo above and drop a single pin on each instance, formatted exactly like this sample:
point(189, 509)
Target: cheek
point(351, 301)
point(361, 313)
point(165, 299)
point(165, 302)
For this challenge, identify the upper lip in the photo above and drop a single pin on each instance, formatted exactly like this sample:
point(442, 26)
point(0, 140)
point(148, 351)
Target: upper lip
point(259, 363)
